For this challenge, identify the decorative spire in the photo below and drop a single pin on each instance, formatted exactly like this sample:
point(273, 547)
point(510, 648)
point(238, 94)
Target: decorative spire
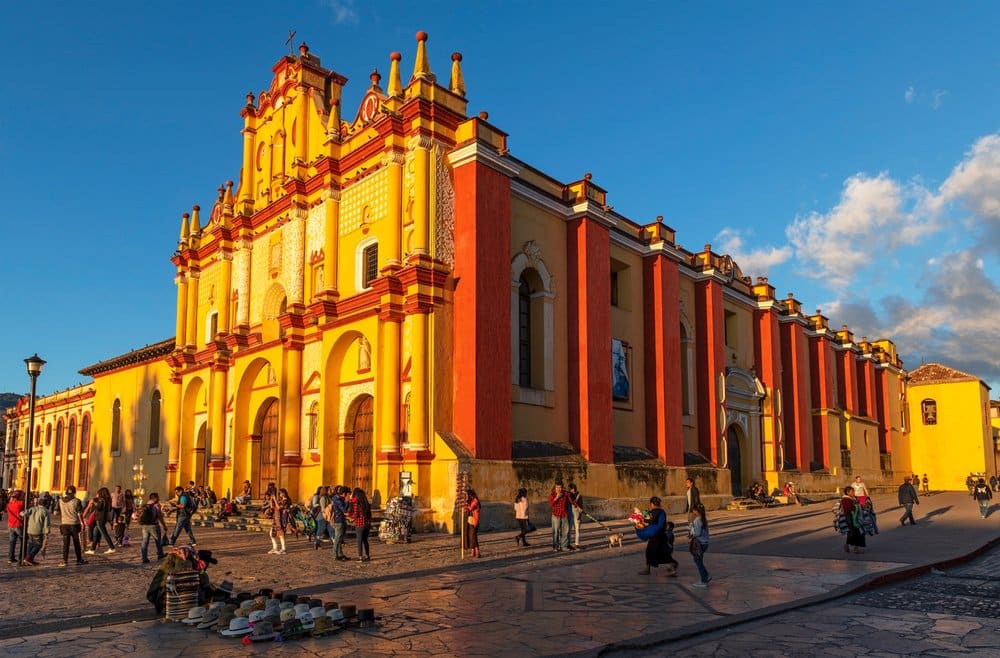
point(185, 232)
point(250, 99)
point(376, 78)
point(303, 49)
point(457, 84)
point(421, 68)
point(195, 220)
point(333, 124)
point(227, 201)
point(395, 83)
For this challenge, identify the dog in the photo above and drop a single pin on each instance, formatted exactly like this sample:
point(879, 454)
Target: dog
point(615, 540)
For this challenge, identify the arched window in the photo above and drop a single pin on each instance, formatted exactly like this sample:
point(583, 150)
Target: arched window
point(70, 451)
point(84, 475)
point(38, 436)
point(57, 457)
point(314, 426)
point(524, 333)
point(154, 422)
point(366, 263)
point(928, 411)
point(48, 435)
point(116, 427)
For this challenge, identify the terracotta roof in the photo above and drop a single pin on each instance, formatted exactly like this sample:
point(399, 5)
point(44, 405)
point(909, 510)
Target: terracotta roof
point(141, 355)
point(935, 373)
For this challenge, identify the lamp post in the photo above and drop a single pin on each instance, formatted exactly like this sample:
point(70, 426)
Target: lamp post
point(34, 364)
point(139, 477)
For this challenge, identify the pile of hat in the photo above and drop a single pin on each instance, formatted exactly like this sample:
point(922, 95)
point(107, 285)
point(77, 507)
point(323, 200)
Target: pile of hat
point(267, 616)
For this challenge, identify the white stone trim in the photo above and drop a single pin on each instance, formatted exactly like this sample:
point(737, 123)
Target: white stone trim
point(478, 152)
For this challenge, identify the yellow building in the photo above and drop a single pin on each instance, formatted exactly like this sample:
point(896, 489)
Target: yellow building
point(392, 292)
point(951, 434)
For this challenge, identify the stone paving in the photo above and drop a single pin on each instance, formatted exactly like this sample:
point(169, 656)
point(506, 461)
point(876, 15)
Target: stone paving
point(515, 601)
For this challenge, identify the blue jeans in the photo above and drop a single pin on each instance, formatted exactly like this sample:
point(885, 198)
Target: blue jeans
point(574, 525)
point(322, 529)
point(339, 528)
point(183, 523)
point(34, 546)
point(13, 538)
point(151, 532)
point(907, 514)
point(699, 561)
point(560, 532)
point(984, 505)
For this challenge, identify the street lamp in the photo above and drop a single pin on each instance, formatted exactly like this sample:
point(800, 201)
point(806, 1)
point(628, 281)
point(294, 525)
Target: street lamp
point(34, 364)
point(139, 477)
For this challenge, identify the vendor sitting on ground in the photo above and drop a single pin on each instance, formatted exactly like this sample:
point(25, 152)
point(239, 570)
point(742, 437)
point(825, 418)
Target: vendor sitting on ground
point(759, 493)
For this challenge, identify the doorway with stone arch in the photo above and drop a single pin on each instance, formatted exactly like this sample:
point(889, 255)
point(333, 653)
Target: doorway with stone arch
point(734, 460)
point(359, 428)
point(267, 430)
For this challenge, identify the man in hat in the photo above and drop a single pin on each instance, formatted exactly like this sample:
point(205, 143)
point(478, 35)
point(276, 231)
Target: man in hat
point(15, 526)
point(907, 498)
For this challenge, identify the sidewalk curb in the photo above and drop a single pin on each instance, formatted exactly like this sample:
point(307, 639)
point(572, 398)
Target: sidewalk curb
point(854, 587)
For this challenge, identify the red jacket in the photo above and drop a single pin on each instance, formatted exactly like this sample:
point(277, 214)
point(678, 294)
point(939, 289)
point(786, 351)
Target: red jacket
point(14, 509)
point(559, 507)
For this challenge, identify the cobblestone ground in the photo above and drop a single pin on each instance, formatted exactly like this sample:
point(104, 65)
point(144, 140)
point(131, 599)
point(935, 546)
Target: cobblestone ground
point(514, 601)
point(955, 612)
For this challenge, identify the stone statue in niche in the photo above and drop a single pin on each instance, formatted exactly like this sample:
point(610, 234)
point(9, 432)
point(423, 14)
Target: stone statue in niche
point(364, 354)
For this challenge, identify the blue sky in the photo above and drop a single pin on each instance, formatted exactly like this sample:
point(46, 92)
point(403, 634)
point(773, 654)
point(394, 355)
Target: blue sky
point(849, 151)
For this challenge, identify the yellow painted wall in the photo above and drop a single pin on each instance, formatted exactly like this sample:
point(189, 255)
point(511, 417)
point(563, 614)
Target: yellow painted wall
point(961, 440)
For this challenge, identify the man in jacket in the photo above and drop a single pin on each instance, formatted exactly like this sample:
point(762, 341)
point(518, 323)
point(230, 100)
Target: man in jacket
point(37, 524)
point(981, 492)
point(692, 498)
point(559, 501)
point(907, 498)
point(15, 526)
point(337, 516)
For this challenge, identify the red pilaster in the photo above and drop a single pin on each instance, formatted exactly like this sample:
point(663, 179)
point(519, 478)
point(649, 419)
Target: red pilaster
point(822, 390)
point(710, 350)
point(767, 355)
point(589, 302)
point(662, 336)
point(847, 381)
point(882, 410)
point(866, 387)
point(795, 383)
point(482, 410)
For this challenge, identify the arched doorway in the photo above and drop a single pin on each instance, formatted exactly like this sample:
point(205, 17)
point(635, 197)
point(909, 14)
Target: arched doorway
point(733, 461)
point(268, 432)
point(361, 425)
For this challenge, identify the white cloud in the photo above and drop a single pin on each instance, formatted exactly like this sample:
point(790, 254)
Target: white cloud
point(910, 94)
point(873, 218)
point(754, 262)
point(937, 97)
point(343, 11)
point(975, 182)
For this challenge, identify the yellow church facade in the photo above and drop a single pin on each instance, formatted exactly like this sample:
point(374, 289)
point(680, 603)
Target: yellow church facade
point(391, 296)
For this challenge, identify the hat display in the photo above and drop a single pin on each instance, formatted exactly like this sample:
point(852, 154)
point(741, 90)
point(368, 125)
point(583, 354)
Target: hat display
point(331, 605)
point(336, 615)
point(222, 622)
point(194, 615)
point(238, 626)
point(307, 620)
point(262, 632)
point(286, 605)
point(243, 596)
point(256, 616)
point(293, 629)
point(266, 592)
point(241, 612)
point(272, 602)
point(300, 608)
point(348, 610)
point(317, 611)
point(226, 587)
point(324, 626)
point(290, 598)
point(366, 617)
point(210, 619)
point(206, 557)
point(287, 615)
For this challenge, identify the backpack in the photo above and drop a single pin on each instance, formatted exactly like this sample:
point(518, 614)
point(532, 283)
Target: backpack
point(190, 504)
point(147, 517)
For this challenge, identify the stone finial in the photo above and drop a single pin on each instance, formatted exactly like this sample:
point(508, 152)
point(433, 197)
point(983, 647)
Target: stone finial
point(457, 84)
point(659, 219)
point(249, 99)
point(227, 200)
point(375, 77)
point(185, 231)
point(333, 123)
point(395, 82)
point(421, 67)
point(587, 176)
point(195, 220)
point(484, 115)
point(303, 49)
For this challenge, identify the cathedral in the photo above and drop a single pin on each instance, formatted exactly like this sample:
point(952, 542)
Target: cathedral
point(388, 298)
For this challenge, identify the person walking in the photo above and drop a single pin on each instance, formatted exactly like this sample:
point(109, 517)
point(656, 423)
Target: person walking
point(100, 507)
point(317, 504)
point(692, 498)
point(37, 524)
point(982, 494)
point(70, 523)
point(472, 507)
point(361, 514)
point(279, 513)
point(851, 525)
point(336, 515)
point(993, 482)
point(969, 483)
point(656, 534)
point(861, 494)
point(187, 505)
point(575, 510)
point(153, 527)
point(699, 544)
point(521, 514)
point(15, 526)
point(908, 498)
point(559, 502)
point(117, 504)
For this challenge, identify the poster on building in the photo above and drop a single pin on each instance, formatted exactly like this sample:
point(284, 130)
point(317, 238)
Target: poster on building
point(621, 366)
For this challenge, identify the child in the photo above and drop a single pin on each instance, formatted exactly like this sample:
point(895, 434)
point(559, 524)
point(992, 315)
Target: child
point(121, 539)
point(669, 534)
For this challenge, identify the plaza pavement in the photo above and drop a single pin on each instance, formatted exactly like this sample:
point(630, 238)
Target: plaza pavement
point(514, 601)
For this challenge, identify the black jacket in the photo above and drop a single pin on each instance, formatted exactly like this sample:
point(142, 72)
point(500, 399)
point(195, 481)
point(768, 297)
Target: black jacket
point(907, 494)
